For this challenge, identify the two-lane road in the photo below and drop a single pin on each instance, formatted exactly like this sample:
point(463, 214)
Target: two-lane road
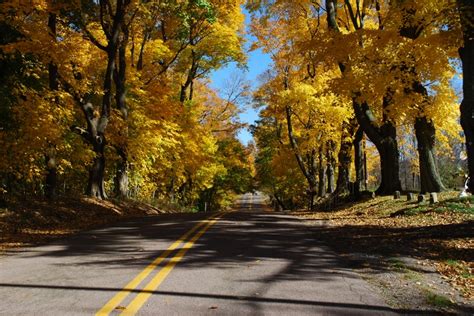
point(244, 262)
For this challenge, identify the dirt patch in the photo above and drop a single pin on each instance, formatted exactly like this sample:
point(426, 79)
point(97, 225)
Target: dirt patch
point(420, 256)
point(34, 221)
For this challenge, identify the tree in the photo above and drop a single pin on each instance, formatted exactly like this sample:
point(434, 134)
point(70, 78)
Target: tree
point(466, 52)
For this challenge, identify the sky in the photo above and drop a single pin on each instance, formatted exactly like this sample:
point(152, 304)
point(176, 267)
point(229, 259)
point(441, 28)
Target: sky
point(257, 63)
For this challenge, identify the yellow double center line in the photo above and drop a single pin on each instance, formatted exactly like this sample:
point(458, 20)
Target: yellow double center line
point(145, 293)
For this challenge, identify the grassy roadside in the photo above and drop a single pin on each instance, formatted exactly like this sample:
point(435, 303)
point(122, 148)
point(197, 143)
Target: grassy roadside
point(439, 236)
point(33, 221)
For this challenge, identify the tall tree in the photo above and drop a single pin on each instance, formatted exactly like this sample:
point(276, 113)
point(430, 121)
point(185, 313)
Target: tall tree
point(384, 137)
point(425, 130)
point(466, 52)
point(50, 157)
point(111, 19)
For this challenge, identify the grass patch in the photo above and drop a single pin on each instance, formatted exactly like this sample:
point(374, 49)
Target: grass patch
point(400, 266)
point(416, 210)
point(452, 262)
point(397, 264)
point(437, 300)
point(413, 276)
point(461, 207)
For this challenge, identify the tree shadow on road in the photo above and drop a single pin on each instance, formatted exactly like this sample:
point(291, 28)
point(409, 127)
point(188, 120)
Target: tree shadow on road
point(249, 238)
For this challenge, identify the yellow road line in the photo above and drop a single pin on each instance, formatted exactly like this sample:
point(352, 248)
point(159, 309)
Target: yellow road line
point(120, 296)
point(143, 296)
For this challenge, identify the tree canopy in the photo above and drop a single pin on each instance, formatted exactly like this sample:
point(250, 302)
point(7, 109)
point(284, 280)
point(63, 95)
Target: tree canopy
point(113, 98)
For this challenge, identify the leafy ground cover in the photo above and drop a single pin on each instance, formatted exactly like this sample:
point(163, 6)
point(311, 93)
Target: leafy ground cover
point(33, 221)
point(422, 244)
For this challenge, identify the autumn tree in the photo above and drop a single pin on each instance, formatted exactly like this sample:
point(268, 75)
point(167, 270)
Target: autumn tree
point(466, 52)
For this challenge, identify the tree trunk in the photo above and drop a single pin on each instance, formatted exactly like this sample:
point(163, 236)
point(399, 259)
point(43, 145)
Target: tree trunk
point(385, 139)
point(51, 166)
point(330, 177)
point(121, 177)
point(51, 177)
point(321, 176)
point(95, 186)
point(307, 172)
point(330, 167)
point(366, 171)
point(359, 162)
point(424, 128)
point(425, 136)
point(188, 84)
point(425, 132)
point(345, 157)
point(142, 50)
point(466, 12)
point(389, 165)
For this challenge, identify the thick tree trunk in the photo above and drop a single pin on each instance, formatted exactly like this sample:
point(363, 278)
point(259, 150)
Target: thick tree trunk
point(94, 134)
point(359, 162)
point(425, 136)
point(424, 128)
point(385, 139)
point(97, 126)
point(95, 185)
point(389, 165)
point(466, 11)
point(121, 177)
point(330, 177)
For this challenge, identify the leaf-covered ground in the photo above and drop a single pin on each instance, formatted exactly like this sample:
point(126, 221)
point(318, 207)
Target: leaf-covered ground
point(383, 235)
point(35, 221)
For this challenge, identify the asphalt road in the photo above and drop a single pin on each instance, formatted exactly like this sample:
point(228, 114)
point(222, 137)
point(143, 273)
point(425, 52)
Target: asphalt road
point(245, 262)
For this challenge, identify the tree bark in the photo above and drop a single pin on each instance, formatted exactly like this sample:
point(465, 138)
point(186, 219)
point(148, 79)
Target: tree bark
point(424, 128)
point(321, 175)
point(345, 157)
point(330, 168)
point(425, 135)
point(466, 12)
point(121, 176)
point(51, 180)
point(95, 185)
point(51, 177)
point(385, 140)
point(188, 84)
point(96, 126)
point(359, 162)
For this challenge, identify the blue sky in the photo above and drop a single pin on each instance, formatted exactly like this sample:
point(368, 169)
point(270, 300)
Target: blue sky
point(257, 63)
